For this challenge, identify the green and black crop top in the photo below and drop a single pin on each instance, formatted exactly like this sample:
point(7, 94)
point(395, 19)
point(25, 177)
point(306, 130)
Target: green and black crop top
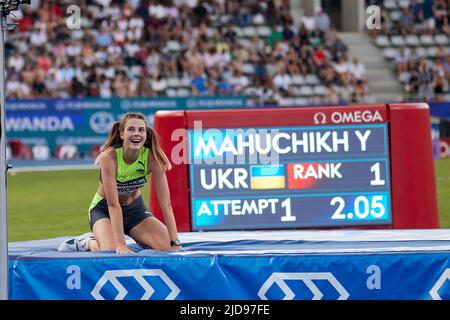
point(131, 177)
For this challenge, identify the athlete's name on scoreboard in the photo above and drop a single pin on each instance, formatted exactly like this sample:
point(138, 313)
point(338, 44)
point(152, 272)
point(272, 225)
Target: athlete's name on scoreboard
point(332, 141)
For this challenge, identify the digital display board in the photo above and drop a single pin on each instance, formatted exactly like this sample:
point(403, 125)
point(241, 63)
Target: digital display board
point(316, 175)
point(337, 167)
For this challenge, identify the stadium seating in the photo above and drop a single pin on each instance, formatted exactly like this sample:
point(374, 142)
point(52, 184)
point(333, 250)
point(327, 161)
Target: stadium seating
point(172, 48)
point(415, 39)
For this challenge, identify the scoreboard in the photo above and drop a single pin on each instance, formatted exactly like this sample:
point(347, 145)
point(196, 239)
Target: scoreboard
point(289, 177)
point(295, 168)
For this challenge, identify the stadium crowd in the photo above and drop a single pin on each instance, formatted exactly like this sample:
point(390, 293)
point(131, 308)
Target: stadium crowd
point(178, 48)
point(415, 35)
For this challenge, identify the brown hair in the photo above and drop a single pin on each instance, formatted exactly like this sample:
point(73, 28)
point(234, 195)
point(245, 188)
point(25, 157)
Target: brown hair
point(152, 141)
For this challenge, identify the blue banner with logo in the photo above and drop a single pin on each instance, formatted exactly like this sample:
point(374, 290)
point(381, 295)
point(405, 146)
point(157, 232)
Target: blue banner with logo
point(86, 122)
point(265, 265)
point(375, 276)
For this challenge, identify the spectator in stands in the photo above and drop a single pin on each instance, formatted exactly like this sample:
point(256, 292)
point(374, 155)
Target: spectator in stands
point(52, 84)
point(282, 81)
point(105, 87)
point(322, 22)
point(224, 87)
point(342, 69)
point(77, 88)
point(144, 88)
point(25, 23)
point(104, 38)
point(440, 53)
point(424, 77)
point(230, 35)
point(304, 36)
point(16, 62)
point(200, 14)
point(287, 33)
point(330, 76)
point(152, 62)
point(307, 65)
point(439, 84)
point(15, 88)
point(412, 86)
point(346, 91)
point(416, 10)
point(446, 66)
point(242, 55)
point(271, 13)
point(265, 93)
point(334, 44)
point(440, 13)
point(65, 74)
point(199, 83)
point(358, 71)
point(38, 34)
point(360, 93)
point(159, 85)
point(292, 67)
point(401, 61)
point(39, 83)
point(211, 59)
point(332, 95)
point(406, 21)
point(414, 57)
point(319, 57)
point(428, 16)
point(239, 82)
point(168, 63)
point(274, 37)
point(261, 71)
point(309, 22)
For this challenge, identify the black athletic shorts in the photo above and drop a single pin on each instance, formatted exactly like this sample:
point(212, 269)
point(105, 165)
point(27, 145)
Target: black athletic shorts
point(133, 213)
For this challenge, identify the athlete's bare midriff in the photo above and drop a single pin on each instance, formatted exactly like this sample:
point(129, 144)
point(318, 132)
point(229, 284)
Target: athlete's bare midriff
point(123, 199)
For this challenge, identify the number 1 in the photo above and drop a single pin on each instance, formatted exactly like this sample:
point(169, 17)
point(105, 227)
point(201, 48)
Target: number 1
point(376, 170)
point(288, 217)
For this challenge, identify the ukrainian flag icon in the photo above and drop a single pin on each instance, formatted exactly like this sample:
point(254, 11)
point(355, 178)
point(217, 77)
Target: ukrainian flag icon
point(267, 177)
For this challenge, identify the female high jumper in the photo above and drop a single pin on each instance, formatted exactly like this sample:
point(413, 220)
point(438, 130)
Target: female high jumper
point(130, 154)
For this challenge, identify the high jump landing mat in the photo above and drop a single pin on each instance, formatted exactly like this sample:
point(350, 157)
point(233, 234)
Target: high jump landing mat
point(244, 265)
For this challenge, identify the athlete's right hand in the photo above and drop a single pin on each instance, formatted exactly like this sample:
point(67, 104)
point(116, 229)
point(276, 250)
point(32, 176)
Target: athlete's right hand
point(123, 249)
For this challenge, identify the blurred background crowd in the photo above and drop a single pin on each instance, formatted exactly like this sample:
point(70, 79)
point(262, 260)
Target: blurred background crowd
point(141, 48)
point(415, 37)
point(263, 52)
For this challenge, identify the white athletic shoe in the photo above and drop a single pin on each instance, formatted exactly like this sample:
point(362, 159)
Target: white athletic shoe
point(80, 243)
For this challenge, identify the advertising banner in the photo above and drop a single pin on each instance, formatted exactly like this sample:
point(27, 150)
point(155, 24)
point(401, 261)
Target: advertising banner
point(375, 276)
point(86, 122)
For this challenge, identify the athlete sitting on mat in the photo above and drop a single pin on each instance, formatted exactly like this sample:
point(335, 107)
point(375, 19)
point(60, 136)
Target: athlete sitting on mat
point(131, 152)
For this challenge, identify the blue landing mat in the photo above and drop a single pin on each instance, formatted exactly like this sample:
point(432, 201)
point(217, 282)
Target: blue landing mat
point(247, 265)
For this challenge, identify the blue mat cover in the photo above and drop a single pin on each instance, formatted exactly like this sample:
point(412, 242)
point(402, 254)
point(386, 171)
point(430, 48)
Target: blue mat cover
point(247, 265)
